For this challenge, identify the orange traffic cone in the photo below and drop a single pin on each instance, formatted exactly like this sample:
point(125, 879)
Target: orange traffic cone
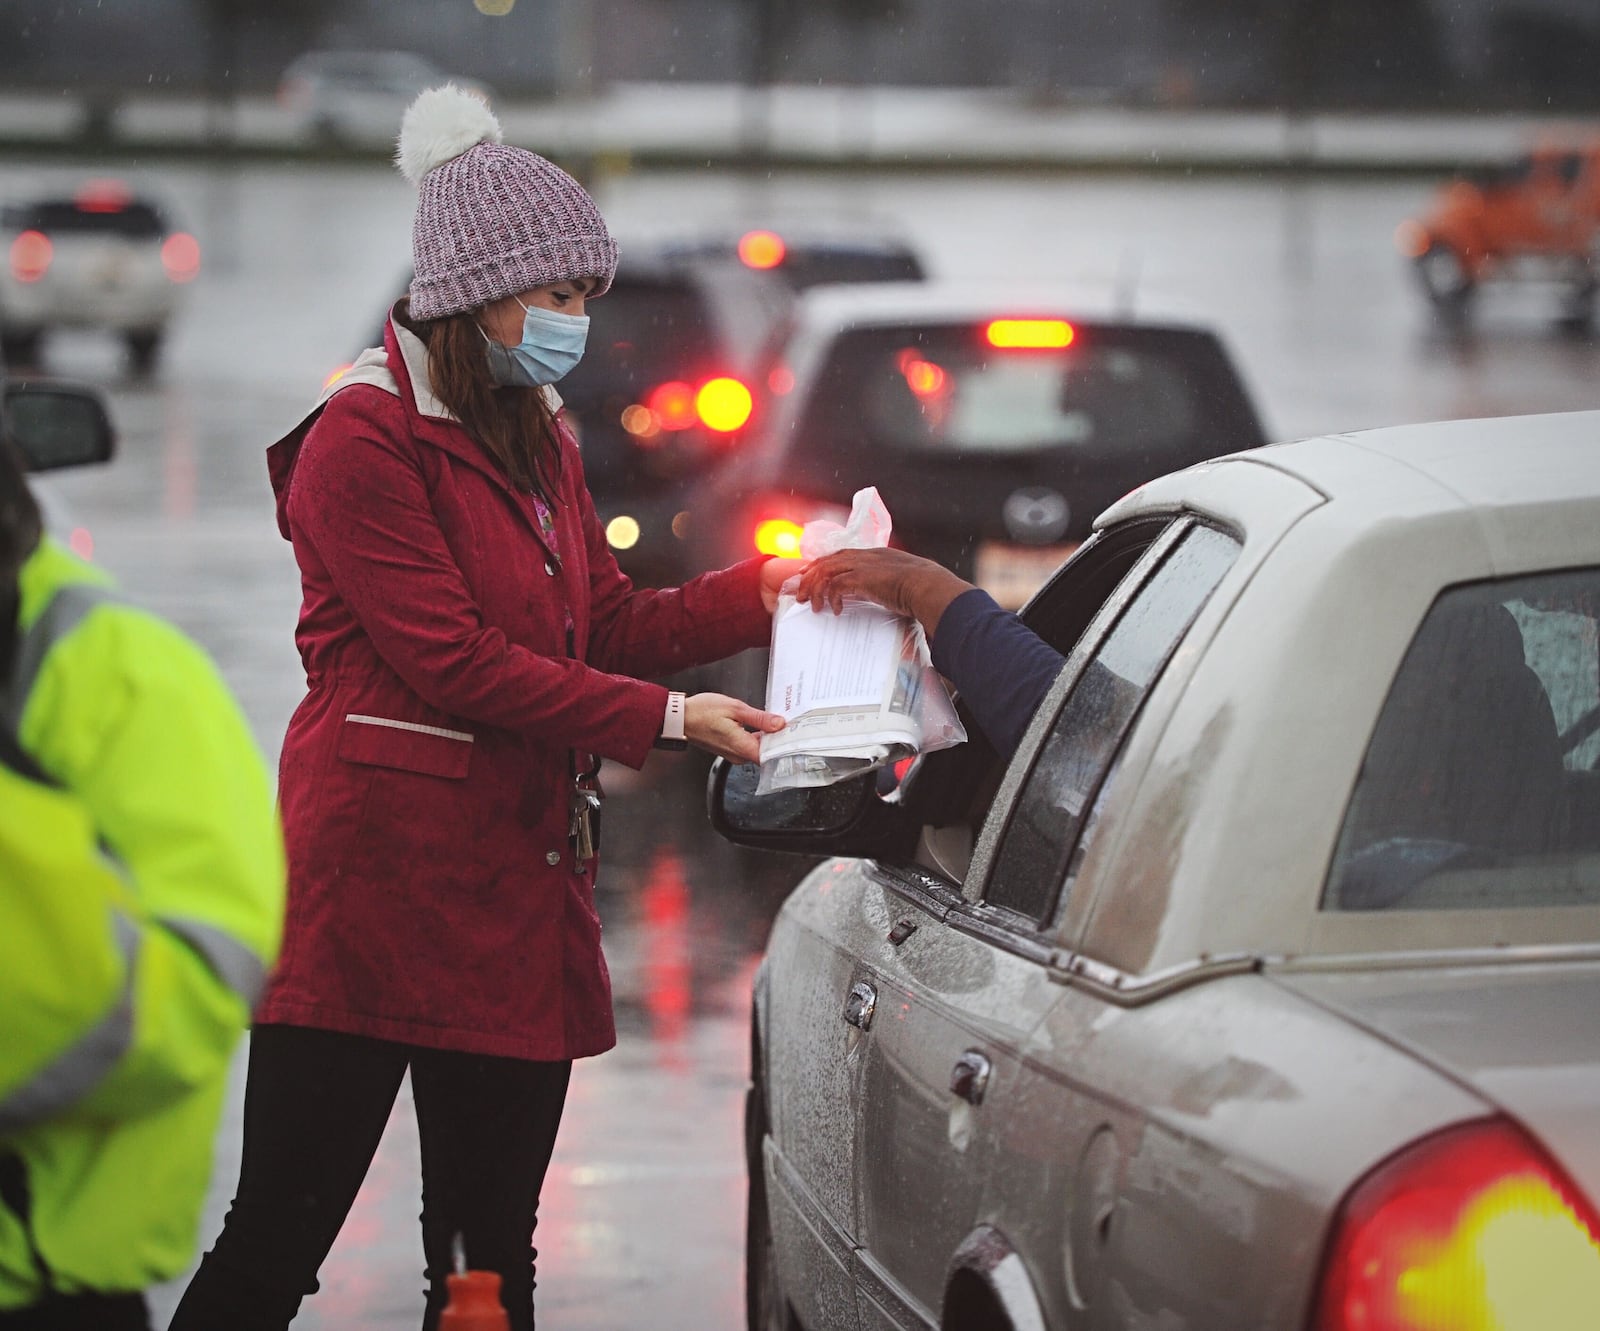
point(474, 1303)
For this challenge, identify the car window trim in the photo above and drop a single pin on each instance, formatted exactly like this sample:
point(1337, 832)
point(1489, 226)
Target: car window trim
point(985, 851)
point(1006, 929)
point(929, 892)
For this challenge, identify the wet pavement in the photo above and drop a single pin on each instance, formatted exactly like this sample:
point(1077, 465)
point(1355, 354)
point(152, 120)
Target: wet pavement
point(643, 1214)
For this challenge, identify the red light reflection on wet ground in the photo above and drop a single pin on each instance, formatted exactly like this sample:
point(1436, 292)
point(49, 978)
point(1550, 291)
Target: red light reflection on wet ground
point(667, 965)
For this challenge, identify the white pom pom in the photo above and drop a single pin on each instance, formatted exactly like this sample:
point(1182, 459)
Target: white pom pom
point(442, 123)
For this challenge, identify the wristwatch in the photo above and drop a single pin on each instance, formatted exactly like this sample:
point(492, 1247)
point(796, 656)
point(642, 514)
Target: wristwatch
point(672, 736)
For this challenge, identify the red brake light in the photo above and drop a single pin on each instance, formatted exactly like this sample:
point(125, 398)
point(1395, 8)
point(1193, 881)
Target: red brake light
point(673, 405)
point(102, 196)
point(780, 537)
point(720, 404)
point(1032, 333)
point(925, 379)
point(1472, 1230)
point(761, 249)
point(180, 256)
point(30, 256)
point(723, 404)
point(1411, 239)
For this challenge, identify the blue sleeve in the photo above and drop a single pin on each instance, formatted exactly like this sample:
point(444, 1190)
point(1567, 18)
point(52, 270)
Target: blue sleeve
point(1000, 666)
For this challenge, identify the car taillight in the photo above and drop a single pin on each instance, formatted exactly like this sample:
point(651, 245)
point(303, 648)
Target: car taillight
point(1474, 1229)
point(1411, 239)
point(102, 196)
point(779, 527)
point(672, 405)
point(30, 256)
point(761, 249)
point(721, 405)
point(926, 380)
point(780, 537)
point(180, 256)
point(1029, 333)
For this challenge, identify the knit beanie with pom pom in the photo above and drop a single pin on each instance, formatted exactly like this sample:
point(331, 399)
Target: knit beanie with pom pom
point(491, 220)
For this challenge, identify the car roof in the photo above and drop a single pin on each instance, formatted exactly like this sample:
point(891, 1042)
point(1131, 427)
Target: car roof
point(1492, 465)
point(1253, 744)
point(837, 306)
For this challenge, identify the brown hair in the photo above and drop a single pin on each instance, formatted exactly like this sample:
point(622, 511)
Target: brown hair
point(515, 425)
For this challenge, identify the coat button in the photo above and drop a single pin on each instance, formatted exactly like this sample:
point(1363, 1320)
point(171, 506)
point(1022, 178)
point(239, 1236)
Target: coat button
point(552, 857)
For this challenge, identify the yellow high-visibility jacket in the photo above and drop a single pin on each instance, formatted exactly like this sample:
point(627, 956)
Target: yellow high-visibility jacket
point(141, 903)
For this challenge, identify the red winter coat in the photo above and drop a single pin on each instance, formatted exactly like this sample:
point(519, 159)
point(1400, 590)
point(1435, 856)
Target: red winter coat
point(433, 896)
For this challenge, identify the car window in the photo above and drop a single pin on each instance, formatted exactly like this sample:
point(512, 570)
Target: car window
point(956, 786)
point(908, 408)
point(135, 220)
point(1050, 823)
point(805, 267)
point(1479, 787)
point(642, 334)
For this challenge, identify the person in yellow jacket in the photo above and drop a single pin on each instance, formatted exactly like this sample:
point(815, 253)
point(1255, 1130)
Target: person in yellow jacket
point(141, 903)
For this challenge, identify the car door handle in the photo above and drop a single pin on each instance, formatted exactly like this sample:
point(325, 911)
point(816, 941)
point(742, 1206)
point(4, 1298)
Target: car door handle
point(970, 1077)
point(859, 1006)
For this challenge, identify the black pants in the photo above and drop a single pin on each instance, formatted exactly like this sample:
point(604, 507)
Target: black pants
point(81, 1312)
point(314, 1109)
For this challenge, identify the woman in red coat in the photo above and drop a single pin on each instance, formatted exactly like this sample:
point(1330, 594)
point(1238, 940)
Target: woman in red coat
point(471, 652)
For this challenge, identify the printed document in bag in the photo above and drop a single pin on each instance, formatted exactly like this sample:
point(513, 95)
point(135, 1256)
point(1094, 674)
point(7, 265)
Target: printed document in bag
point(845, 683)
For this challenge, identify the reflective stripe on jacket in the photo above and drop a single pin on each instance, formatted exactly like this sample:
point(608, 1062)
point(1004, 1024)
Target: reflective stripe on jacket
point(141, 900)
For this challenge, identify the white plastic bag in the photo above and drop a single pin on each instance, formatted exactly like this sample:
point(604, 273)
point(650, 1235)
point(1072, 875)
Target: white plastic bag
point(857, 689)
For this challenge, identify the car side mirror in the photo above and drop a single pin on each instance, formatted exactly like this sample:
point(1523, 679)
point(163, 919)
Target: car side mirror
point(57, 425)
point(846, 818)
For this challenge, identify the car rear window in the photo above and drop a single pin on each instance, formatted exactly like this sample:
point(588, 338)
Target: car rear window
point(914, 408)
point(802, 268)
point(643, 333)
point(136, 221)
point(1480, 787)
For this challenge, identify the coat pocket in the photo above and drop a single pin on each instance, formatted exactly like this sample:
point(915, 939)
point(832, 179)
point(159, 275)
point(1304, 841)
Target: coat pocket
point(407, 745)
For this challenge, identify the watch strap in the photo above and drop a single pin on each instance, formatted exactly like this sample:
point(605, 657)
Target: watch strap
point(672, 732)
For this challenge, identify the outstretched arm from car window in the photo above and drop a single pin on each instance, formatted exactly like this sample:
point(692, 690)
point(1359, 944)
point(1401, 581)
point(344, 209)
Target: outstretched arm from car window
point(1001, 668)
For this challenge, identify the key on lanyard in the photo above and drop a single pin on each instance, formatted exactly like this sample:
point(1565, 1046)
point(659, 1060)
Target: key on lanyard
point(584, 823)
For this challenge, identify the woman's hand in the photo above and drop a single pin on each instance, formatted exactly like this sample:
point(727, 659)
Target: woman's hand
point(774, 573)
point(722, 725)
point(905, 583)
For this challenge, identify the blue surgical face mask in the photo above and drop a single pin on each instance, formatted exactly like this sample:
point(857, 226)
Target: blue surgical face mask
point(551, 345)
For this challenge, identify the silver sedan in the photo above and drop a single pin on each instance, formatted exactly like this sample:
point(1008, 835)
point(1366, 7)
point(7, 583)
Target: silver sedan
point(1260, 988)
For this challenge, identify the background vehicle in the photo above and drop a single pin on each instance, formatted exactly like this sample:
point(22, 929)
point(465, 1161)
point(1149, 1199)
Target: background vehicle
point(808, 252)
point(1309, 824)
point(995, 425)
point(662, 390)
point(102, 258)
point(347, 96)
point(1537, 217)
